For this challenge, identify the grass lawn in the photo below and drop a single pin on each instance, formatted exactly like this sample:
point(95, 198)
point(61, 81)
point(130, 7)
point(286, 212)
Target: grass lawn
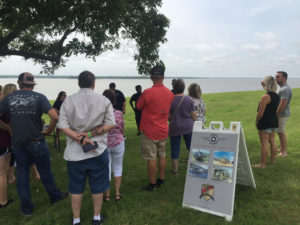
point(275, 201)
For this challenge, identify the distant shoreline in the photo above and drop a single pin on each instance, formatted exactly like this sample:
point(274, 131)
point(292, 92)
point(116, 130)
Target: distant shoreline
point(129, 77)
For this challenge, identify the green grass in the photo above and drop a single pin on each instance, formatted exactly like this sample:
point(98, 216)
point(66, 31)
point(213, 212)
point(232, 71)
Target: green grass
point(275, 201)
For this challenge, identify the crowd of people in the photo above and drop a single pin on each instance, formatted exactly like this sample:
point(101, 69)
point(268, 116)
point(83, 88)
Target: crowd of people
point(94, 126)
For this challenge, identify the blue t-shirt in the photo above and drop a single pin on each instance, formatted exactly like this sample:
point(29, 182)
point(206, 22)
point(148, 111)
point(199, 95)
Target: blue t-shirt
point(25, 108)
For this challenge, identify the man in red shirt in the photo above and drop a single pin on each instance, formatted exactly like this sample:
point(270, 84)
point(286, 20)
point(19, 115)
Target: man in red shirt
point(155, 104)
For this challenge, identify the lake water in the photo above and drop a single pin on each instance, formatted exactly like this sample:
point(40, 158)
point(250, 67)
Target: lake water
point(51, 86)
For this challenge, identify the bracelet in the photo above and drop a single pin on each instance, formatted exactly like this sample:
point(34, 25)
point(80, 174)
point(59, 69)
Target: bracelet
point(90, 135)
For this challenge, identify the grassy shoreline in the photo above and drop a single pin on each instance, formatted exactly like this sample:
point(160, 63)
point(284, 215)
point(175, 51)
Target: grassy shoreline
point(275, 201)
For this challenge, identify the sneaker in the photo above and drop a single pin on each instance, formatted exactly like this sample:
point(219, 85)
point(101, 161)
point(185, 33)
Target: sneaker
point(26, 213)
point(159, 182)
point(62, 196)
point(98, 222)
point(150, 187)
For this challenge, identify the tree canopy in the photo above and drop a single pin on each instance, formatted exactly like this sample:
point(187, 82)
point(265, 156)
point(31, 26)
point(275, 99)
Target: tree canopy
point(50, 31)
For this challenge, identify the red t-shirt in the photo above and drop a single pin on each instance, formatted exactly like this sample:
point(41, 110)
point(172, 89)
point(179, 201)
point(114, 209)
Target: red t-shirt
point(155, 104)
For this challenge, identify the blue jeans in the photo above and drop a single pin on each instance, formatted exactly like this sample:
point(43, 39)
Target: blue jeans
point(37, 153)
point(175, 144)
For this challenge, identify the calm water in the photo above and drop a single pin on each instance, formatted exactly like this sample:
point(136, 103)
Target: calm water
point(51, 86)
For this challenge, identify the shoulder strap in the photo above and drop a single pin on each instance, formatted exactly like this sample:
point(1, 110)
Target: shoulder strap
point(179, 104)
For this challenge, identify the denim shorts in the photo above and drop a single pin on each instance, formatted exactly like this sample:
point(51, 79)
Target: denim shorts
point(270, 130)
point(96, 169)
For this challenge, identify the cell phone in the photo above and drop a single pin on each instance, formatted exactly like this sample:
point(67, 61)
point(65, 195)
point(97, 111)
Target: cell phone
point(89, 147)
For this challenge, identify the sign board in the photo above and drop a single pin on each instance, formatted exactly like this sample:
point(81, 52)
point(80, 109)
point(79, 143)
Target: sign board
point(218, 160)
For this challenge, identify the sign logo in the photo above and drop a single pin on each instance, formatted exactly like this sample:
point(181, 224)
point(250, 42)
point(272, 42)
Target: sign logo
point(213, 139)
point(207, 192)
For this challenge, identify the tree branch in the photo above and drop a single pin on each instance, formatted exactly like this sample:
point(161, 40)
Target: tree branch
point(26, 55)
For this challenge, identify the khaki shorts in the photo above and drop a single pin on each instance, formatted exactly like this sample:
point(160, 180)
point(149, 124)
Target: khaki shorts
point(153, 148)
point(282, 124)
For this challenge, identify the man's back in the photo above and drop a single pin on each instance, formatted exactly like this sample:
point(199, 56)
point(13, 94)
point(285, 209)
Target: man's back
point(155, 104)
point(26, 108)
point(82, 112)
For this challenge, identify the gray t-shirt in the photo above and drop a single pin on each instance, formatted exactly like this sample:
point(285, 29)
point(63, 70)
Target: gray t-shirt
point(285, 92)
point(25, 108)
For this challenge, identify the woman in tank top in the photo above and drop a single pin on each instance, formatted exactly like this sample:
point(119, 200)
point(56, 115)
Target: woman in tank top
point(267, 121)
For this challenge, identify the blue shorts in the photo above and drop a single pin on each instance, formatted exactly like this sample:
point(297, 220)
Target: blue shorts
point(96, 169)
point(270, 130)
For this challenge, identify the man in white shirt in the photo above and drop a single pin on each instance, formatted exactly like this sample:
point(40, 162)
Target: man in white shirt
point(85, 117)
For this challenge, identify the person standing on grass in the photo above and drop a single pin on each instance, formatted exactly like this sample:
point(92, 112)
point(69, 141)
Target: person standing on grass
point(86, 117)
point(155, 104)
point(283, 111)
point(138, 113)
point(120, 98)
point(195, 93)
point(267, 121)
point(116, 149)
point(182, 117)
point(5, 149)
point(57, 104)
point(25, 108)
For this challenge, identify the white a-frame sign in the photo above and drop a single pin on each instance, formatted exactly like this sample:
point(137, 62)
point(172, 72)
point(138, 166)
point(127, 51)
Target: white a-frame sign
point(218, 160)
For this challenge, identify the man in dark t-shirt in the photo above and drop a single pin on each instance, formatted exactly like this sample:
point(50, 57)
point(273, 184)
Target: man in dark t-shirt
point(138, 113)
point(120, 98)
point(25, 109)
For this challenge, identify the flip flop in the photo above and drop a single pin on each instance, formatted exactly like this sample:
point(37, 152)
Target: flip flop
point(118, 197)
point(106, 198)
point(7, 203)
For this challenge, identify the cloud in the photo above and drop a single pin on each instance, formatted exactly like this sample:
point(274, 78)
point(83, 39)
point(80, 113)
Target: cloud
point(269, 40)
point(203, 47)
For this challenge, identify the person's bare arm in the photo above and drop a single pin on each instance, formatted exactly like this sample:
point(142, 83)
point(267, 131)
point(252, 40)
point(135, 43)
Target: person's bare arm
point(100, 130)
point(281, 106)
point(194, 115)
point(53, 121)
point(265, 99)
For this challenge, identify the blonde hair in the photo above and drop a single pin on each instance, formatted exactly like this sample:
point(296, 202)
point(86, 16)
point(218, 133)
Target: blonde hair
point(9, 89)
point(269, 84)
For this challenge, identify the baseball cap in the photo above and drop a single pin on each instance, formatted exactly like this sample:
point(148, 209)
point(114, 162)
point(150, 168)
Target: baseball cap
point(26, 78)
point(157, 71)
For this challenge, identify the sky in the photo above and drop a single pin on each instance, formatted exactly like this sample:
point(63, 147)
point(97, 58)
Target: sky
point(207, 38)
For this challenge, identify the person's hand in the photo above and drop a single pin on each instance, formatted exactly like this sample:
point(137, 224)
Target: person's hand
point(45, 132)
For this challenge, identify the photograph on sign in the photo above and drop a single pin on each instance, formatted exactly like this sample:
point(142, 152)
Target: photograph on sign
point(207, 192)
point(221, 173)
point(200, 155)
point(198, 170)
point(222, 158)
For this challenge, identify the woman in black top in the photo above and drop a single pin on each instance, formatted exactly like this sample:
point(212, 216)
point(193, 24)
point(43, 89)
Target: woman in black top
point(267, 121)
point(57, 104)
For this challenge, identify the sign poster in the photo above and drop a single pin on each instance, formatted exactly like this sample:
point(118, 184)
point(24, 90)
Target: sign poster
point(213, 168)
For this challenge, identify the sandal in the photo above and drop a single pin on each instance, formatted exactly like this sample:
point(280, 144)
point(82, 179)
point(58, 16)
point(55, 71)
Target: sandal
point(106, 198)
point(118, 197)
point(7, 203)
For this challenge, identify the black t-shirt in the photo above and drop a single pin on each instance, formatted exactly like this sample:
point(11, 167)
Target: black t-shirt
point(120, 99)
point(57, 104)
point(25, 108)
point(134, 98)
